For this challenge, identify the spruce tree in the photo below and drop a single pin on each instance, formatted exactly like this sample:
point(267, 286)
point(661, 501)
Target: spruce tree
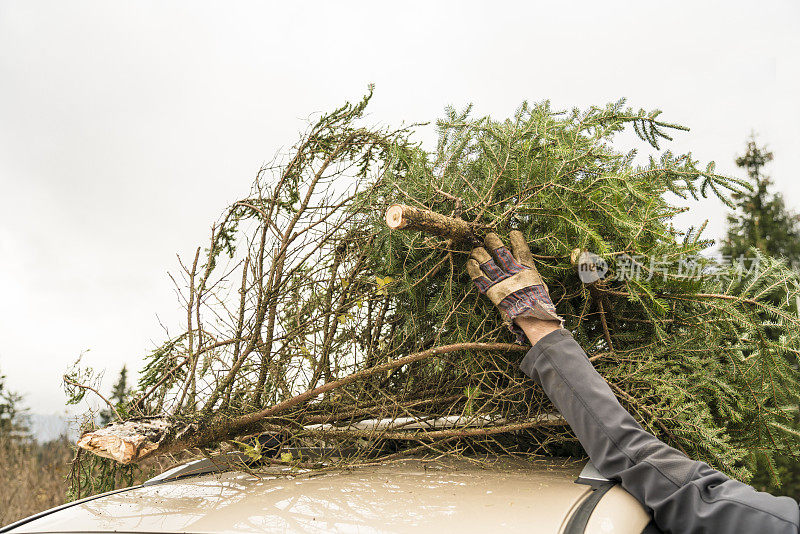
point(761, 219)
point(13, 423)
point(309, 318)
point(119, 394)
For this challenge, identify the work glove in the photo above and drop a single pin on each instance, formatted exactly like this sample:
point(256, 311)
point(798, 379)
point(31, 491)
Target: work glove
point(511, 281)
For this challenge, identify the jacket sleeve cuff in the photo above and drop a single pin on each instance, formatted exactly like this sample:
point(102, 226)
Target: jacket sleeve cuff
point(553, 338)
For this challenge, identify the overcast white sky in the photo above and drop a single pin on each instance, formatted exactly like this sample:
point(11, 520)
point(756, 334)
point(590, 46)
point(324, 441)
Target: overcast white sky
point(125, 128)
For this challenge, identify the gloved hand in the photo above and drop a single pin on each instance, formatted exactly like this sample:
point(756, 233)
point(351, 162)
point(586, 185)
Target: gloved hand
point(511, 281)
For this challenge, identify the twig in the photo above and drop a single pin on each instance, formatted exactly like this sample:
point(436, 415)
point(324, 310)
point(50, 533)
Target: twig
point(93, 390)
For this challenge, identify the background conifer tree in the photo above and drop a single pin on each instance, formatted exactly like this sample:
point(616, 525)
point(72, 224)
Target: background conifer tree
point(761, 218)
point(13, 422)
point(119, 394)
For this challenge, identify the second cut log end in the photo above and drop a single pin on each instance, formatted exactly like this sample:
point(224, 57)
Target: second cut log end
point(394, 217)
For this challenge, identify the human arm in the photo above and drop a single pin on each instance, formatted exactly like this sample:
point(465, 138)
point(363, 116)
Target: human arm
point(683, 495)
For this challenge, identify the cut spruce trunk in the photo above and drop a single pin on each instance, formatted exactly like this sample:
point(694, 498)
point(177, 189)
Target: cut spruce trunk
point(130, 441)
point(136, 439)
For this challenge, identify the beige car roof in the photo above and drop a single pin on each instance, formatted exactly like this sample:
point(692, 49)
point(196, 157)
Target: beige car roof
point(412, 495)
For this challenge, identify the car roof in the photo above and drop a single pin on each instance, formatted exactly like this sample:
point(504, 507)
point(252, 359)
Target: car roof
point(414, 494)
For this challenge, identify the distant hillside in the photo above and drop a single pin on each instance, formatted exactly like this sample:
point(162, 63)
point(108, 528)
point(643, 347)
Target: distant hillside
point(49, 427)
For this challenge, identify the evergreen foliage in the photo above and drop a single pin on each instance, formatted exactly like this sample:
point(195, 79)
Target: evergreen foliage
point(304, 285)
point(763, 222)
point(686, 349)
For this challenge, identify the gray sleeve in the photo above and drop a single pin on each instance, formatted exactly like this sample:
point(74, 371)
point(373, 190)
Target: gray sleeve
point(683, 495)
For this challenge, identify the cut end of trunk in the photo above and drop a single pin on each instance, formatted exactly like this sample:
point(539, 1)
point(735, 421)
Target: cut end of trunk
point(126, 442)
point(394, 217)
